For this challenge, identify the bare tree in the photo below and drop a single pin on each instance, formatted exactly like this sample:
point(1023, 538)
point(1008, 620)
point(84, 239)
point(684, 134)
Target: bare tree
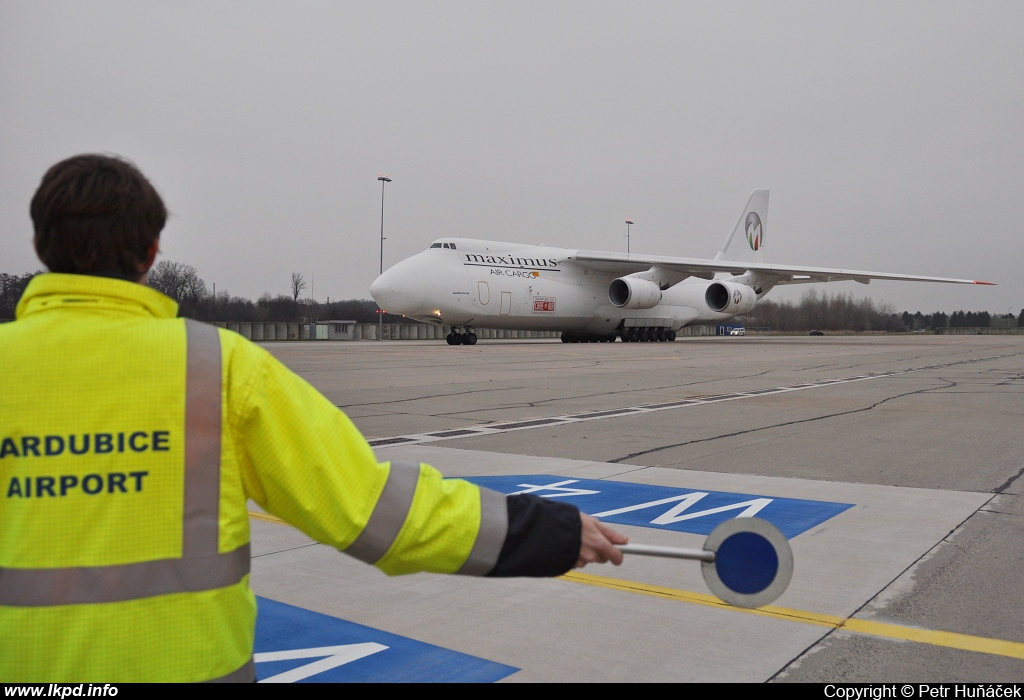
point(195, 287)
point(177, 280)
point(829, 312)
point(298, 284)
point(11, 289)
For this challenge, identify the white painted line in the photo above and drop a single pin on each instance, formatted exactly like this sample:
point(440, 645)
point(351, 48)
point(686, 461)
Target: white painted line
point(542, 422)
point(335, 656)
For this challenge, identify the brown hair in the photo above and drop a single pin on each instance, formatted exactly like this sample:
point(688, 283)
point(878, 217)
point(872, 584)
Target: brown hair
point(96, 214)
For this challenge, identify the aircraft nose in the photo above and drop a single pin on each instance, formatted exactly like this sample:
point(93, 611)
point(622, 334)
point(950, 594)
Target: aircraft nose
point(396, 294)
point(379, 289)
point(382, 291)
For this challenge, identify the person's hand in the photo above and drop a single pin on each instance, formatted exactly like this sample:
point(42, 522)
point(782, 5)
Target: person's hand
point(597, 543)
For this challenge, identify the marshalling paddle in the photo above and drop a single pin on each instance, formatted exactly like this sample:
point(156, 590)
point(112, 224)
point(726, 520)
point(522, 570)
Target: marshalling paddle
point(747, 562)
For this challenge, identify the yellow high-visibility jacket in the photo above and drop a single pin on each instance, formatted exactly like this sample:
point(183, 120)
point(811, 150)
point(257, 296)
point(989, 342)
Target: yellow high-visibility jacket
point(130, 441)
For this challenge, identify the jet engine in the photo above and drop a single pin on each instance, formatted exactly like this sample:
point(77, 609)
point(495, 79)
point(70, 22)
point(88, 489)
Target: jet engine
point(729, 297)
point(634, 293)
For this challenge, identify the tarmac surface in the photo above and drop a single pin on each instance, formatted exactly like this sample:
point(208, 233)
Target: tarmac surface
point(894, 460)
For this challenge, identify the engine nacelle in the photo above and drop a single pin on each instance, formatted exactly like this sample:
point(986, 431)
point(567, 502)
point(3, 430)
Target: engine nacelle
point(634, 293)
point(729, 297)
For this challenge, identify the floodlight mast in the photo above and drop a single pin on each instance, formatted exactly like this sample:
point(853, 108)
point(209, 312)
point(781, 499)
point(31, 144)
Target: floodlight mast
point(384, 179)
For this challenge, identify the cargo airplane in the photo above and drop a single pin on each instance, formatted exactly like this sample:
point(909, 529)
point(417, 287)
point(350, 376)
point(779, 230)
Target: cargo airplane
point(595, 296)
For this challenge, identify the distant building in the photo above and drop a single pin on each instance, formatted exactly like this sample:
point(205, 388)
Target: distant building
point(332, 330)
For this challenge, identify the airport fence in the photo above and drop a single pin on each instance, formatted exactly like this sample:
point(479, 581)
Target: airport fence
point(263, 331)
point(979, 331)
point(366, 331)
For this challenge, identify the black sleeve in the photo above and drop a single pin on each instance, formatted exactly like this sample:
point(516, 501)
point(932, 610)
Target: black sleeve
point(543, 538)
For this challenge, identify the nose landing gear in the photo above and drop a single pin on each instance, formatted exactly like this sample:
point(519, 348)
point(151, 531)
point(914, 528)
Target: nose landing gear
point(456, 338)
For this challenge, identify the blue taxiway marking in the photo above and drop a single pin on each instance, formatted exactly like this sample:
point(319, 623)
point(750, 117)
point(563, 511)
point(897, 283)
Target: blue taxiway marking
point(668, 508)
point(294, 645)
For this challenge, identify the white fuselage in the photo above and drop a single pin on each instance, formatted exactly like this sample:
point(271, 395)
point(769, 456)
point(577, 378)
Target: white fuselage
point(488, 284)
point(467, 283)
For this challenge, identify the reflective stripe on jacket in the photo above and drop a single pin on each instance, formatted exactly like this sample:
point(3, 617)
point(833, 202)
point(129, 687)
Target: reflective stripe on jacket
point(130, 441)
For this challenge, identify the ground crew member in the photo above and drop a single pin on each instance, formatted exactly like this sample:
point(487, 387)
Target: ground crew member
point(130, 441)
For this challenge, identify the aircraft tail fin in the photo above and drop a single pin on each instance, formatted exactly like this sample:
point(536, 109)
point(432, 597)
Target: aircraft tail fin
point(750, 226)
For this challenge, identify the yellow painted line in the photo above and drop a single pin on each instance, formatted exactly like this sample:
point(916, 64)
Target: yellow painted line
point(953, 640)
point(703, 599)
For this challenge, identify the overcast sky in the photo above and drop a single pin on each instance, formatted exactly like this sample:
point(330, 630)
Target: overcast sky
point(891, 135)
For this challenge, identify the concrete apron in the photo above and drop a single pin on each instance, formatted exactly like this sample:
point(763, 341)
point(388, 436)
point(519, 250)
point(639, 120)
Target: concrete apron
point(565, 630)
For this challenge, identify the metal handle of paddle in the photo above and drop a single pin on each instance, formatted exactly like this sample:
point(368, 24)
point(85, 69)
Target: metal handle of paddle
point(653, 550)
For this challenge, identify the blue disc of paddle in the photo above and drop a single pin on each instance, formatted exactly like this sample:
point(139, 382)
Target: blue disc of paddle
point(753, 562)
point(747, 562)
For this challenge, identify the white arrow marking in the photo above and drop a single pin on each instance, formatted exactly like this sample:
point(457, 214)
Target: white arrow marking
point(672, 515)
point(688, 499)
point(557, 486)
point(751, 508)
point(336, 656)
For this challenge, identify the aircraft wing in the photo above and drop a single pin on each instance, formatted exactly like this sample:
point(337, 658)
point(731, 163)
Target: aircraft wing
point(626, 264)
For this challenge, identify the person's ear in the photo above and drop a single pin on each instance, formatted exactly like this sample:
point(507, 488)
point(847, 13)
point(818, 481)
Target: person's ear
point(154, 248)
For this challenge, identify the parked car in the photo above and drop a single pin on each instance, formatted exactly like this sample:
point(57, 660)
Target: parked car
point(738, 331)
point(817, 332)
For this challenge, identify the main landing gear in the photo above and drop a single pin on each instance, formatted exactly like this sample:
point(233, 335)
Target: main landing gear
point(578, 338)
point(643, 335)
point(466, 338)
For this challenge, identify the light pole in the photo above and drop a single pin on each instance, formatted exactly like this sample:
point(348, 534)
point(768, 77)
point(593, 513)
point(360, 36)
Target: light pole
point(384, 179)
point(629, 222)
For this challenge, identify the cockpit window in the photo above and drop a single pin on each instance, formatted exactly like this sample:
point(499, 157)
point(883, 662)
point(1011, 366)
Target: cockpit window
point(452, 246)
point(435, 245)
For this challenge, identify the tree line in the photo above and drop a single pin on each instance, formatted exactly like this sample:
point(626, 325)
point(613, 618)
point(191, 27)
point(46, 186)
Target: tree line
point(844, 312)
point(814, 310)
point(196, 300)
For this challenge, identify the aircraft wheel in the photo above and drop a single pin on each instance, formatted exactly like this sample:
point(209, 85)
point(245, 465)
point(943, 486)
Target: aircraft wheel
point(565, 338)
point(634, 335)
point(469, 339)
point(645, 335)
point(662, 336)
point(450, 338)
point(671, 336)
